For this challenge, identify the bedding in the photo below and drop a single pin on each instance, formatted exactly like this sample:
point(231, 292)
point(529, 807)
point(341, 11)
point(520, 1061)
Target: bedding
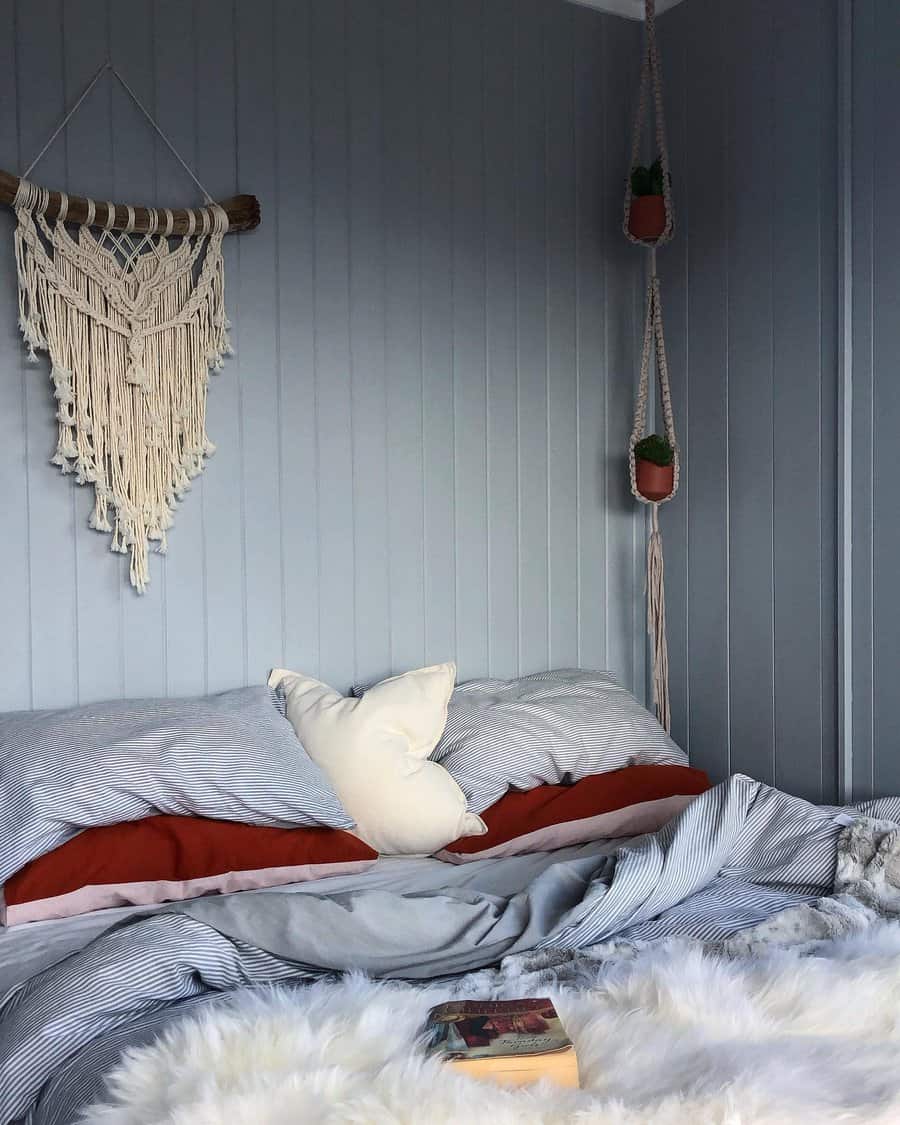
point(170, 858)
point(374, 750)
point(546, 729)
point(31, 948)
point(232, 756)
point(627, 802)
point(738, 854)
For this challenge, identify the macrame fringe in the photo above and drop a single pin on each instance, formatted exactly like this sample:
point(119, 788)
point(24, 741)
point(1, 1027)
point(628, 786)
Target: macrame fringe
point(132, 327)
point(656, 622)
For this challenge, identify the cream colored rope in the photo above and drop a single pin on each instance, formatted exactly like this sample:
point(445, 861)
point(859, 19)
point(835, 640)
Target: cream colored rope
point(651, 79)
point(132, 326)
point(654, 348)
point(654, 345)
point(656, 622)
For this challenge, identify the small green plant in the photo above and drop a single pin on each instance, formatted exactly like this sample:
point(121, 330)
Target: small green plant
point(656, 449)
point(647, 181)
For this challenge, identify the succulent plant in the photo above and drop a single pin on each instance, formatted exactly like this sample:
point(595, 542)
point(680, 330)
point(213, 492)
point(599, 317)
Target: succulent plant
point(656, 449)
point(647, 181)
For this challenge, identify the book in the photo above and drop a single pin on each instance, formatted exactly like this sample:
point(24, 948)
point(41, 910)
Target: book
point(511, 1042)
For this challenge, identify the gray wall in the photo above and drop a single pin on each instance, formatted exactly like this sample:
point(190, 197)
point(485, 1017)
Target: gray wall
point(876, 395)
point(419, 438)
point(750, 300)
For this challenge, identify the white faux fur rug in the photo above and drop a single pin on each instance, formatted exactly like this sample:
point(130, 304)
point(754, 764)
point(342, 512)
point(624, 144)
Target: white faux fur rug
point(673, 1036)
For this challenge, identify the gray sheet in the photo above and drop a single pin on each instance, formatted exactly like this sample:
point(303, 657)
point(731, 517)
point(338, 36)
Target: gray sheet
point(29, 949)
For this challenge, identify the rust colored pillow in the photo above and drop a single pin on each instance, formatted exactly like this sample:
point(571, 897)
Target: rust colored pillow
point(626, 802)
point(171, 858)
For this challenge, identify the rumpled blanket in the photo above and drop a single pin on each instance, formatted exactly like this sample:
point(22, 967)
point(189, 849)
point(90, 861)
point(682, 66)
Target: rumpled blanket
point(739, 854)
point(866, 891)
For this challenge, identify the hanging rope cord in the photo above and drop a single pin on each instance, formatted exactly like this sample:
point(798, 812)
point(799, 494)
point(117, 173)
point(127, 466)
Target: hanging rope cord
point(651, 79)
point(108, 66)
point(656, 594)
point(654, 347)
point(654, 344)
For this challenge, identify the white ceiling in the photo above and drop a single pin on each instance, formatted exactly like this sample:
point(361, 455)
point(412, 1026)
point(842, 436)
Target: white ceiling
point(632, 9)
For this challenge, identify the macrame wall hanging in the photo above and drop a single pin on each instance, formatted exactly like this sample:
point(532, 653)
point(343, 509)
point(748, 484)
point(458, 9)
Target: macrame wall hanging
point(130, 310)
point(650, 221)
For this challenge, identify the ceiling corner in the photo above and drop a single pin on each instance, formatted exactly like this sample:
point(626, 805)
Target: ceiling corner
point(630, 9)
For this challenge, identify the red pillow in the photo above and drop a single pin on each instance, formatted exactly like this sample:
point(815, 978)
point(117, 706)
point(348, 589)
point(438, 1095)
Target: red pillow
point(170, 858)
point(626, 802)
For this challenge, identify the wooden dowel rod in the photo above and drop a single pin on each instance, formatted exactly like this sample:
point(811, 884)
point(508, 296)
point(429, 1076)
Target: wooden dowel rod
point(242, 211)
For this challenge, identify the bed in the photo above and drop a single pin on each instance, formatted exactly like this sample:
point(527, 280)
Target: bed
point(156, 1013)
point(740, 854)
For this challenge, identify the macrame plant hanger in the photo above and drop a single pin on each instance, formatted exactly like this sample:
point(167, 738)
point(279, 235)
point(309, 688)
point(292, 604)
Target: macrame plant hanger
point(132, 324)
point(654, 347)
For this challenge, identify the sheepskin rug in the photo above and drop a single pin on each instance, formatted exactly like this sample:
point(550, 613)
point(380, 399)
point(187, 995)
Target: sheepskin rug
point(674, 1035)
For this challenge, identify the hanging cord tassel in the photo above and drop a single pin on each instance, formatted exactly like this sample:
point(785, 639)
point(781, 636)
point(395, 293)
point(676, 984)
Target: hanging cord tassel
point(654, 346)
point(656, 622)
point(654, 343)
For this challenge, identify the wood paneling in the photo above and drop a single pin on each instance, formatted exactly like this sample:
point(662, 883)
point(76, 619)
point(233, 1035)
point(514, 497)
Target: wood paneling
point(419, 437)
point(750, 293)
point(876, 397)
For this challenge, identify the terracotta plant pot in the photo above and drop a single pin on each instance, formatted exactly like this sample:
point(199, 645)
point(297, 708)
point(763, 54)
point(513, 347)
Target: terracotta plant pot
point(654, 482)
point(647, 218)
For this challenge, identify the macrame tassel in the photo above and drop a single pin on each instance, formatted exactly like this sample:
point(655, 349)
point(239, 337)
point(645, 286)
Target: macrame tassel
point(133, 329)
point(656, 622)
point(99, 517)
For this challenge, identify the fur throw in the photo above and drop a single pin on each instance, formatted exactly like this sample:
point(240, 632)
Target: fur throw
point(672, 1034)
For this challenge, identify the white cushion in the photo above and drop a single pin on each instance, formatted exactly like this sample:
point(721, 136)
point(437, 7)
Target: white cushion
point(374, 752)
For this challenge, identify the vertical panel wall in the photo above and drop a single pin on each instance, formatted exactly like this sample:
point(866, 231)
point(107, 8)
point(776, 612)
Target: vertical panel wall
point(749, 292)
point(876, 396)
point(419, 438)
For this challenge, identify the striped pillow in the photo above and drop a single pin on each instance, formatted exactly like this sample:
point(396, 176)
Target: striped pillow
point(232, 756)
point(171, 858)
point(626, 802)
point(546, 729)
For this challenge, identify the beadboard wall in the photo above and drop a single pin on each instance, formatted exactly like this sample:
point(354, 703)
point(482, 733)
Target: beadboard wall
point(419, 438)
point(750, 292)
point(874, 165)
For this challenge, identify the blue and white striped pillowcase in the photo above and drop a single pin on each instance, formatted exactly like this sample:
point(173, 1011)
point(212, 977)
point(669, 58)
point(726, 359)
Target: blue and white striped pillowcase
point(232, 756)
point(545, 729)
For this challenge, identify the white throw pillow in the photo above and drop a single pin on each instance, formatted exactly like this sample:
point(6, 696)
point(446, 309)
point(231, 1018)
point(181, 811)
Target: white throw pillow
point(374, 752)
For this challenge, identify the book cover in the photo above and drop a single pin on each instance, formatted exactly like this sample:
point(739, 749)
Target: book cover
point(468, 1030)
